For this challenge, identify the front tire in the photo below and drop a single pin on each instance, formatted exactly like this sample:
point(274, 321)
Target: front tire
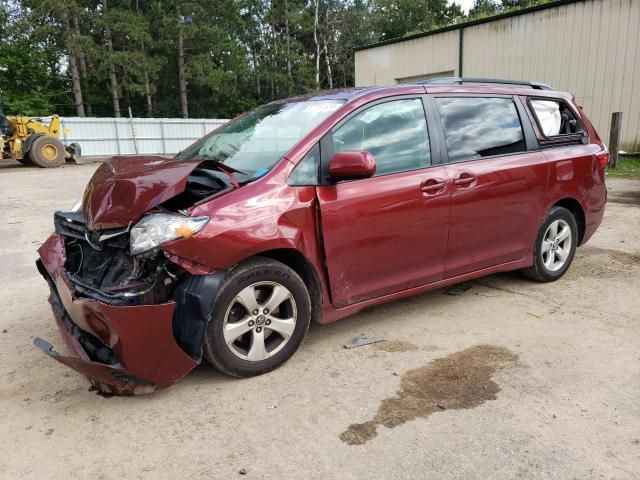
point(260, 317)
point(555, 246)
point(46, 152)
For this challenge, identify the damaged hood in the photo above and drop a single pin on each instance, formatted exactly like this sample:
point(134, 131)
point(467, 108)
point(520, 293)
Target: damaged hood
point(123, 189)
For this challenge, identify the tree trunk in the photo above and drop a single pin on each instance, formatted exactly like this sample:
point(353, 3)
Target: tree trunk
point(82, 60)
point(274, 55)
point(73, 65)
point(288, 39)
point(329, 30)
point(77, 88)
point(317, 43)
point(255, 70)
point(327, 63)
point(147, 93)
point(147, 86)
point(184, 106)
point(113, 79)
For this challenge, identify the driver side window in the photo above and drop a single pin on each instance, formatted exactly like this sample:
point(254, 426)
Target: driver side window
point(394, 132)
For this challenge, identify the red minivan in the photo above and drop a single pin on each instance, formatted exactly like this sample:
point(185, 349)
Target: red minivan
point(310, 209)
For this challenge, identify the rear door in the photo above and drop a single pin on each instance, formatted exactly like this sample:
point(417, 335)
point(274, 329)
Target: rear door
point(389, 232)
point(498, 180)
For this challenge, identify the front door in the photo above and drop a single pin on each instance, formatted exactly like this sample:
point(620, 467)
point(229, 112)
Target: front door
point(386, 233)
point(497, 186)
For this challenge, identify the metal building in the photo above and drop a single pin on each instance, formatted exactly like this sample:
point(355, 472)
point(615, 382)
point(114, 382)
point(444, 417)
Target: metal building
point(590, 48)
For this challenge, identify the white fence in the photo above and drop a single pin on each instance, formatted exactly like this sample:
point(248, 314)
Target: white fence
point(124, 136)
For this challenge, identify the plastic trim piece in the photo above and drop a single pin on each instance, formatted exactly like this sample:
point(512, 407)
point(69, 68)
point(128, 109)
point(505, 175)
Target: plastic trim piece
point(194, 297)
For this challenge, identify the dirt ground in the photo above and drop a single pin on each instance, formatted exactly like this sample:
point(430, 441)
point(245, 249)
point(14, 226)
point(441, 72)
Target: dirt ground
point(511, 379)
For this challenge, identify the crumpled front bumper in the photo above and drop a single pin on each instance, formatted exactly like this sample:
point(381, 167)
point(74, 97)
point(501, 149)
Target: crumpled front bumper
point(135, 343)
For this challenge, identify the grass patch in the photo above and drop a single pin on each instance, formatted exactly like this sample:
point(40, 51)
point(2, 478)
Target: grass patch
point(628, 167)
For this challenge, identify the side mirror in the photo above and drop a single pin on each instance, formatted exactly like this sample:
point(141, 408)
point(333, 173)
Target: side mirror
point(352, 165)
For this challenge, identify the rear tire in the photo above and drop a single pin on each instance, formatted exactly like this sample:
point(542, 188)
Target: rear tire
point(555, 246)
point(260, 317)
point(47, 152)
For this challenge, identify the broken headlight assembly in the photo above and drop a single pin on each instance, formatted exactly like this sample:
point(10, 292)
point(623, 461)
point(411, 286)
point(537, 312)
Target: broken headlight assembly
point(156, 229)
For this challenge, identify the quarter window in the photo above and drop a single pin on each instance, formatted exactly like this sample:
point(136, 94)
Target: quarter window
point(555, 118)
point(394, 132)
point(476, 127)
point(306, 172)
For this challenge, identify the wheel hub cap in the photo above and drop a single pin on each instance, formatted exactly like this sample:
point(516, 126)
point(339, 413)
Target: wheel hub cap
point(50, 152)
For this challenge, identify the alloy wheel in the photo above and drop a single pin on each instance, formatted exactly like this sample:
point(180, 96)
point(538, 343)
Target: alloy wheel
point(260, 321)
point(556, 245)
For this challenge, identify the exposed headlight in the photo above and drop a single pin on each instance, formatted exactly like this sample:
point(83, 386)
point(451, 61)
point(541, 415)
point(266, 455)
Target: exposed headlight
point(156, 229)
point(76, 206)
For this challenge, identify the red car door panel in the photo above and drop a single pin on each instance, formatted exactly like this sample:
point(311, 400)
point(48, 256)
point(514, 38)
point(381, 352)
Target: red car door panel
point(498, 181)
point(384, 234)
point(495, 210)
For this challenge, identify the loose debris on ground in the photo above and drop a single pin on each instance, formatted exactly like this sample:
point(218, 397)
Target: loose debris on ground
point(458, 289)
point(362, 340)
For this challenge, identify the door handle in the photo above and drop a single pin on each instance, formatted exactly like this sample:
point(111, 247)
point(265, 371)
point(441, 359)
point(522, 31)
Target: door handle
point(464, 180)
point(432, 186)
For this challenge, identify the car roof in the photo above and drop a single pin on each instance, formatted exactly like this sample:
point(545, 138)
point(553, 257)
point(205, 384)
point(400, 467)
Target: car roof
point(350, 94)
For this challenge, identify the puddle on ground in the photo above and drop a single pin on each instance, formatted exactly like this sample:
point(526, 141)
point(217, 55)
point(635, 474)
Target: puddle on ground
point(459, 381)
point(395, 346)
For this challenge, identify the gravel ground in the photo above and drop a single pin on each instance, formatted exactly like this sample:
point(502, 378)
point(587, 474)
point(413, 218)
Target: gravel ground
point(511, 379)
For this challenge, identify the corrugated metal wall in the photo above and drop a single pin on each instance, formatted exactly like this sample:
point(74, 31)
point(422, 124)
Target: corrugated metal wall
point(590, 48)
point(114, 136)
point(390, 63)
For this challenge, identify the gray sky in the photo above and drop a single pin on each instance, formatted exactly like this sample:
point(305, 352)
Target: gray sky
point(465, 4)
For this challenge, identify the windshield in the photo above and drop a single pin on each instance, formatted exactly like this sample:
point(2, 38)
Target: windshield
point(256, 141)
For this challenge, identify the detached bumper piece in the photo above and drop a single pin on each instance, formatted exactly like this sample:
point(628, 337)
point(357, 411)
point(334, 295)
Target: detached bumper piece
point(123, 350)
point(106, 380)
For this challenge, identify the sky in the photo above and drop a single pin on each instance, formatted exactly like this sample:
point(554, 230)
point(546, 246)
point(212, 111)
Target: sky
point(465, 4)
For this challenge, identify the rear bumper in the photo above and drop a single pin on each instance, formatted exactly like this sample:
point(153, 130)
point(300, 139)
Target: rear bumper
point(123, 350)
point(594, 213)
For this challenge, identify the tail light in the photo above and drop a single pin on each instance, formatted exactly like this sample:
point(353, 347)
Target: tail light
point(603, 159)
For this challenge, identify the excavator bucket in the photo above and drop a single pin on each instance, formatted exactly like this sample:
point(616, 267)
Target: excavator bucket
point(73, 154)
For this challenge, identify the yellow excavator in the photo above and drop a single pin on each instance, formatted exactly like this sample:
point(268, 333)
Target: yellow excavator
point(31, 141)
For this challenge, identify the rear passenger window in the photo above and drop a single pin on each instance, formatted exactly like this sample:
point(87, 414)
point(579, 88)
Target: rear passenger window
point(394, 132)
point(477, 127)
point(555, 118)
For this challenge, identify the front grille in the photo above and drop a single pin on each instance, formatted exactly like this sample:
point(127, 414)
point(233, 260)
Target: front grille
point(100, 266)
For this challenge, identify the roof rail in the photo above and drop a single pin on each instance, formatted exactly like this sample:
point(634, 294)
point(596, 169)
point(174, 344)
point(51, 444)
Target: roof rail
point(461, 80)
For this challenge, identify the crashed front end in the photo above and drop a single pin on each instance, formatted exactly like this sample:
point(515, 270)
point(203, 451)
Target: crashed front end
point(133, 315)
